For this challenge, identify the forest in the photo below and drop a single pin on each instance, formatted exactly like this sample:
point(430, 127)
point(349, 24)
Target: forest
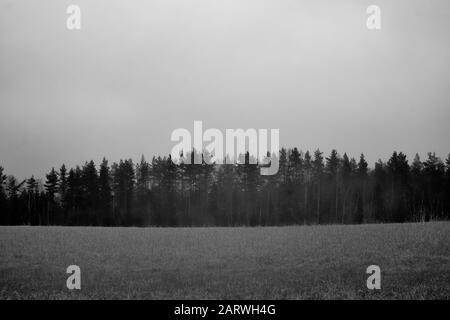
point(309, 188)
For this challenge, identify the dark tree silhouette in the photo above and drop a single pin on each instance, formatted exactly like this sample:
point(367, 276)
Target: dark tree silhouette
point(306, 190)
point(51, 187)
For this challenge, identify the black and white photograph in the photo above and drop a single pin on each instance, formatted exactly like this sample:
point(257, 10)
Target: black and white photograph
point(241, 152)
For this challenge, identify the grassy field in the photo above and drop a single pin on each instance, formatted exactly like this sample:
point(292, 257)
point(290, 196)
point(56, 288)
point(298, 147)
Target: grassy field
point(319, 262)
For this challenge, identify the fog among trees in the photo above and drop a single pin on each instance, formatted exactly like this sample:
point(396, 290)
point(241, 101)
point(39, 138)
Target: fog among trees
point(309, 188)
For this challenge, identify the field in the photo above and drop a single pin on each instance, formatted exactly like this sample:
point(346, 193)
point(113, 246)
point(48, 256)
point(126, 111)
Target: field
point(304, 262)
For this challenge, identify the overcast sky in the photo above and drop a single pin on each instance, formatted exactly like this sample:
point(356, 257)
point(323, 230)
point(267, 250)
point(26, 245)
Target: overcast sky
point(137, 70)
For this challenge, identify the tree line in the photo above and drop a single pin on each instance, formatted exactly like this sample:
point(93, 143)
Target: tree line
point(308, 189)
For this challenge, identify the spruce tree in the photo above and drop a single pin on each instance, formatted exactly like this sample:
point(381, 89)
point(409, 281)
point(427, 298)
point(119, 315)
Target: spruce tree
point(51, 187)
point(332, 167)
point(318, 167)
point(3, 202)
point(105, 196)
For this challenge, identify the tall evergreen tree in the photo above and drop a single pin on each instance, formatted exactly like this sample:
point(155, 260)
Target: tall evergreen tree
point(447, 187)
point(105, 196)
point(32, 196)
point(398, 169)
point(90, 184)
point(434, 170)
point(63, 184)
point(3, 201)
point(51, 187)
point(318, 167)
point(51, 184)
point(62, 189)
point(307, 177)
point(332, 168)
point(123, 186)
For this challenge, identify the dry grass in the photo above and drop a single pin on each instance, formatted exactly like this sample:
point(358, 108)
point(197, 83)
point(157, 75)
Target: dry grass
point(318, 262)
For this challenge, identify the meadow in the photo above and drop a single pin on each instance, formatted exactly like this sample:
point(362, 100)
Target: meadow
point(298, 262)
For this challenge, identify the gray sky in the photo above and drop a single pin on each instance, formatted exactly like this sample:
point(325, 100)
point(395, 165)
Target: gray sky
point(137, 70)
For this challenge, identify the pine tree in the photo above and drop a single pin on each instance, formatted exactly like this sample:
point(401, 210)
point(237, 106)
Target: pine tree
point(332, 164)
point(32, 194)
point(63, 184)
point(346, 172)
point(71, 194)
point(418, 192)
point(380, 177)
point(90, 186)
point(2, 181)
point(295, 166)
point(51, 184)
point(307, 177)
point(105, 196)
point(447, 186)
point(398, 169)
point(123, 186)
point(295, 195)
point(362, 166)
point(332, 167)
point(416, 166)
point(169, 187)
point(3, 203)
point(318, 167)
point(361, 185)
point(51, 187)
point(434, 170)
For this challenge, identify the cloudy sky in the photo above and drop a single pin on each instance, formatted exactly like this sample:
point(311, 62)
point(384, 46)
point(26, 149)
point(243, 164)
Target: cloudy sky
point(137, 70)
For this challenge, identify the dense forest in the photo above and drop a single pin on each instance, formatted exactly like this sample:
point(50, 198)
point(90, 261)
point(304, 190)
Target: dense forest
point(308, 189)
